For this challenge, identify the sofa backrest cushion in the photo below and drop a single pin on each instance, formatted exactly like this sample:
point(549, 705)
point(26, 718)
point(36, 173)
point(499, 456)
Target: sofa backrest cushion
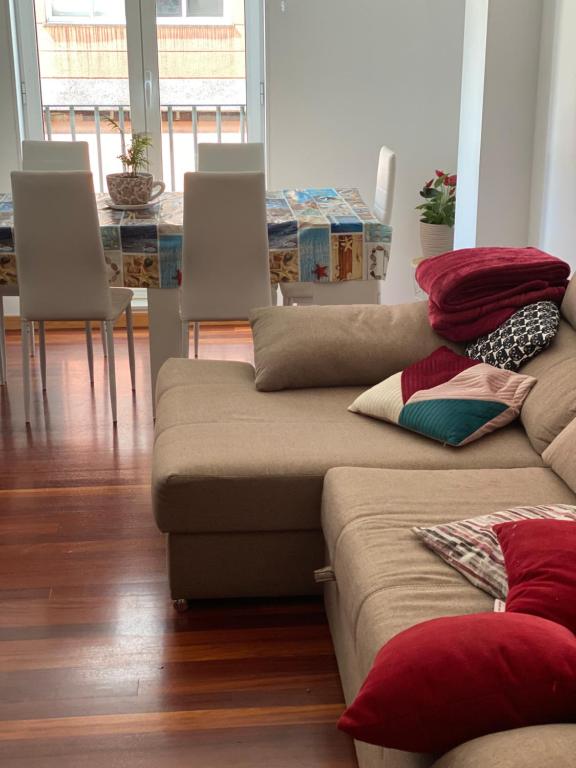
point(568, 307)
point(551, 404)
point(561, 455)
point(338, 346)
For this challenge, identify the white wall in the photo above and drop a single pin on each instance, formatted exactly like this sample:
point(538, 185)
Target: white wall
point(499, 96)
point(554, 185)
point(345, 77)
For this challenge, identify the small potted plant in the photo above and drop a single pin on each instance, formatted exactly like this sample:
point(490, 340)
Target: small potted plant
point(134, 185)
point(437, 214)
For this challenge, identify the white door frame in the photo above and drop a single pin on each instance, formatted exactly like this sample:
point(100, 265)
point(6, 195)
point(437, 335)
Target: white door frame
point(143, 76)
point(27, 56)
point(255, 69)
point(143, 72)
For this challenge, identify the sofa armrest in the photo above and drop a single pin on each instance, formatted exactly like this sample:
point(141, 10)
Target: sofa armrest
point(338, 346)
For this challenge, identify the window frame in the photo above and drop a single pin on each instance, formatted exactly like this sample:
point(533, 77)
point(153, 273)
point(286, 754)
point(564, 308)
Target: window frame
point(201, 21)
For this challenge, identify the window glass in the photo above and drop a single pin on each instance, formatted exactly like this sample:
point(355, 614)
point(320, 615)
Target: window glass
point(204, 7)
point(86, 9)
point(71, 7)
point(169, 7)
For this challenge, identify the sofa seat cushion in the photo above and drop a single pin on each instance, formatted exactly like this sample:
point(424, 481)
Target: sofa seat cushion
point(387, 580)
point(539, 746)
point(230, 458)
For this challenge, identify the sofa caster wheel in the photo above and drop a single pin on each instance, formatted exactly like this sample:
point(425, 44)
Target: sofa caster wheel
point(181, 605)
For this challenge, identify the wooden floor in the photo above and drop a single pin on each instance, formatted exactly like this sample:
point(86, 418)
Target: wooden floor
point(96, 669)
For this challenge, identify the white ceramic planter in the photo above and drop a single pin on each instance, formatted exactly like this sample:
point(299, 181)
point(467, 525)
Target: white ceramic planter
point(436, 239)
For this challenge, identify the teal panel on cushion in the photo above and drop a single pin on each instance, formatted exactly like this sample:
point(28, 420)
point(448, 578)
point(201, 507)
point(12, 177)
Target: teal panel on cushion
point(450, 421)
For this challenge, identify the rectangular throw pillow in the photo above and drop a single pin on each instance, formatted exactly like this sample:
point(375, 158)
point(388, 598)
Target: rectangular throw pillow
point(471, 546)
point(337, 346)
point(447, 397)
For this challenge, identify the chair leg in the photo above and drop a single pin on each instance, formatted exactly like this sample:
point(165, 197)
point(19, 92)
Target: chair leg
point(25, 337)
point(111, 367)
point(89, 349)
point(42, 339)
point(196, 340)
point(185, 339)
point(32, 339)
point(103, 335)
point(3, 364)
point(130, 335)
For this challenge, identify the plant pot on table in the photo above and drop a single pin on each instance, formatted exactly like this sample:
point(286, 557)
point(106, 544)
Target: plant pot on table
point(130, 189)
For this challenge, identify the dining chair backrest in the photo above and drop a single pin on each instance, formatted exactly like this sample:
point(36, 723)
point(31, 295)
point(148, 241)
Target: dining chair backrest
point(385, 181)
point(231, 158)
point(59, 254)
point(225, 268)
point(55, 156)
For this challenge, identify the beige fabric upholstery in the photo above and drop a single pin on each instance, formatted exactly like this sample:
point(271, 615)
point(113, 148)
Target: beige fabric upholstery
point(369, 756)
point(543, 746)
point(561, 455)
point(231, 158)
point(386, 580)
point(225, 268)
point(55, 156)
point(61, 267)
point(267, 564)
point(551, 404)
point(568, 307)
point(358, 345)
point(229, 458)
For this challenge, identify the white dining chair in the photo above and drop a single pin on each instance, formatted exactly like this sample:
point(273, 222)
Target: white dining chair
point(61, 266)
point(55, 156)
point(352, 291)
point(45, 156)
point(60, 156)
point(231, 158)
point(225, 266)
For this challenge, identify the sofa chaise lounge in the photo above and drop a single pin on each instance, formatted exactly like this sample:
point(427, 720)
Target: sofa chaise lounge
point(256, 490)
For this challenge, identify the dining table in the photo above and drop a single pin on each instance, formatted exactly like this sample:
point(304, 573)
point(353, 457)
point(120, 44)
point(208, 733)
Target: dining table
point(314, 235)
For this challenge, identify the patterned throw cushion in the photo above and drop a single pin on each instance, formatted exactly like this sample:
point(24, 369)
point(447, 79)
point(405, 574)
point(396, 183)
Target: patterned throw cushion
point(522, 336)
point(447, 397)
point(471, 546)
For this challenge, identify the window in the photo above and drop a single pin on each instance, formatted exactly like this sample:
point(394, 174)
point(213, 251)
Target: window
point(184, 9)
point(82, 10)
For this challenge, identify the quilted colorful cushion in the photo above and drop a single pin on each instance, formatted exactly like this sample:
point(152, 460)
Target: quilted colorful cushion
point(524, 335)
point(447, 397)
point(471, 546)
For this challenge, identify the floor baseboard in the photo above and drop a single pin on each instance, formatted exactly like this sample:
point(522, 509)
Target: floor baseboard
point(140, 320)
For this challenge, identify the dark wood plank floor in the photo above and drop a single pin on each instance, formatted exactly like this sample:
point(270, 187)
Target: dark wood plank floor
point(96, 669)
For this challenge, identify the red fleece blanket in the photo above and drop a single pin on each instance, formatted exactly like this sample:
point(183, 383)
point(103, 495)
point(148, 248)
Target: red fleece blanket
point(473, 291)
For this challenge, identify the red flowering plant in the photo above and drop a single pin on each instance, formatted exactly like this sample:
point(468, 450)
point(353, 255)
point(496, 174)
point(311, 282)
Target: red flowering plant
point(440, 200)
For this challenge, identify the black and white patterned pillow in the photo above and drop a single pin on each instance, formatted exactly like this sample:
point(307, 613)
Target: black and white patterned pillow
point(522, 336)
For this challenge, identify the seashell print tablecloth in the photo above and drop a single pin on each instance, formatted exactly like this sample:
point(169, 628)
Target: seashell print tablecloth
point(314, 235)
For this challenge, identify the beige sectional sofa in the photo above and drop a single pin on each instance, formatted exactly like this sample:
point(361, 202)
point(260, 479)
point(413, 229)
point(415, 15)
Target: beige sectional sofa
point(255, 490)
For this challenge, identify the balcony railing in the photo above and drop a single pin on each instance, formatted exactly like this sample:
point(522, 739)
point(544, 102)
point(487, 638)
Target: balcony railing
point(183, 126)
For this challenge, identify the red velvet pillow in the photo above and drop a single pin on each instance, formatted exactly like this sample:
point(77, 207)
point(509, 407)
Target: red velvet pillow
point(449, 680)
point(540, 559)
